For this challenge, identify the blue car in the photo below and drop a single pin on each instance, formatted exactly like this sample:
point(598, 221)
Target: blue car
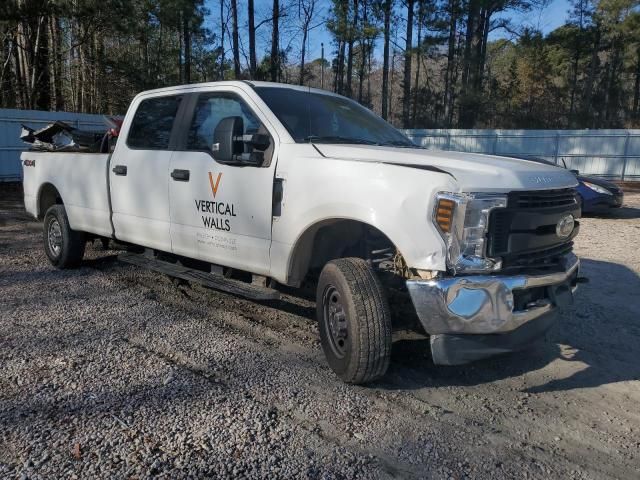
point(595, 194)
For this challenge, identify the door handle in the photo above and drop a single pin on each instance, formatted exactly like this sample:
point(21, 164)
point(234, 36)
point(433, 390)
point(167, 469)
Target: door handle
point(120, 170)
point(180, 175)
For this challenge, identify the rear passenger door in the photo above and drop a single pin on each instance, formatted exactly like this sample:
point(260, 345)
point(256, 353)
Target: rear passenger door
point(139, 173)
point(221, 212)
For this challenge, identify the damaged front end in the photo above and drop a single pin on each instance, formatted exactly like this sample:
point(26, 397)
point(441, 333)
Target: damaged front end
point(510, 269)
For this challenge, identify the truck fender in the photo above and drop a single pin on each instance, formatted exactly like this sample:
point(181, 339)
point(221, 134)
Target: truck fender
point(47, 196)
point(327, 239)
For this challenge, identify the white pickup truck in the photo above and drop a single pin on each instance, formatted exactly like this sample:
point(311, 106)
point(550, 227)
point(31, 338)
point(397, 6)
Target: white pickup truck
point(247, 185)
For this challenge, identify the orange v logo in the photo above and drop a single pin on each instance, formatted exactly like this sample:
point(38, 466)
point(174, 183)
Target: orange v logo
point(214, 186)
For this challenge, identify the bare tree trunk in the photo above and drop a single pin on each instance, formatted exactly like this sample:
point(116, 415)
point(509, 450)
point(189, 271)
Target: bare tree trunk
point(223, 27)
point(19, 85)
point(414, 113)
point(307, 9)
point(81, 76)
point(369, 55)
point(636, 86)
point(52, 64)
point(574, 80)
point(305, 32)
point(236, 43)
point(385, 65)
point(361, 67)
point(352, 33)
point(5, 82)
point(486, 23)
point(23, 65)
point(451, 51)
point(392, 72)
point(406, 82)
point(275, 42)
point(591, 76)
point(468, 61)
point(186, 32)
point(611, 93)
point(363, 50)
point(252, 40)
point(180, 42)
point(336, 72)
point(341, 55)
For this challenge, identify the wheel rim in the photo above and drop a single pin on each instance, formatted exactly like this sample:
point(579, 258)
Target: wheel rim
point(335, 320)
point(54, 235)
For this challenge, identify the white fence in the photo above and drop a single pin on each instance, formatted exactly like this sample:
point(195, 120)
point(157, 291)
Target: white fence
point(11, 146)
point(606, 153)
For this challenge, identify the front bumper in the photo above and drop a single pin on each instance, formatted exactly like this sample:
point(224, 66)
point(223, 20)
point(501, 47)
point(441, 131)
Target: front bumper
point(491, 305)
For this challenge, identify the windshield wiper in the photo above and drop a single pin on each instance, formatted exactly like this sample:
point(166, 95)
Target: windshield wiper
point(338, 139)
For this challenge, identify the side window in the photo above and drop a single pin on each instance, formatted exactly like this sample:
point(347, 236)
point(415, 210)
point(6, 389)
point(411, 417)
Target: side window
point(210, 109)
point(152, 123)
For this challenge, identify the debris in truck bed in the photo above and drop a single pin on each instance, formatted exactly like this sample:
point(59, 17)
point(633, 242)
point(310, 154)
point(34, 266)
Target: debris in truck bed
point(60, 136)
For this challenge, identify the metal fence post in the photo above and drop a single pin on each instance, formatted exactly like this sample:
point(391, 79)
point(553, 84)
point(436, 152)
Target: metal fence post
point(495, 144)
point(624, 155)
point(555, 152)
point(448, 140)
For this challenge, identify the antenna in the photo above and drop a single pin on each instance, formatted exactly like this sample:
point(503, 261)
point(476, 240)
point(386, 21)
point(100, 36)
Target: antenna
point(322, 66)
point(309, 107)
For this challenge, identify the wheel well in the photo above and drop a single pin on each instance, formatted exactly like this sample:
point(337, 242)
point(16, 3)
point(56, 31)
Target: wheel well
point(49, 196)
point(336, 238)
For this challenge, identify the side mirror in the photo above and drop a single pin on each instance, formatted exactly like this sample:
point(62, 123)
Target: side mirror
point(575, 172)
point(225, 146)
point(229, 143)
point(259, 141)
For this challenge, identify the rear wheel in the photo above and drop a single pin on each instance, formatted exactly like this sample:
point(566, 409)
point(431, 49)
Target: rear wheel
point(63, 246)
point(354, 320)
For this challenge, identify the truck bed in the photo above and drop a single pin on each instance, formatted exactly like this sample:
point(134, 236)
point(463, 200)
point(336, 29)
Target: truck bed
point(81, 180)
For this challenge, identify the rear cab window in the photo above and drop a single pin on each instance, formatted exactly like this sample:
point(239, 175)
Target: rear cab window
point(152, 123)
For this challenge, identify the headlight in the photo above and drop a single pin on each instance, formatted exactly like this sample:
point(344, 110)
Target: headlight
point(597, 188)
point(463, 222)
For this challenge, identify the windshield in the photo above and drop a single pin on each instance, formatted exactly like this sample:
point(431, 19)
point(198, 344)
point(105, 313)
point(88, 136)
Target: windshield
point(321, 118)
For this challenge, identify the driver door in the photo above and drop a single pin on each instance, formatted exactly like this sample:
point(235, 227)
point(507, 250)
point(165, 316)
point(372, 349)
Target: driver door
point(220, 213)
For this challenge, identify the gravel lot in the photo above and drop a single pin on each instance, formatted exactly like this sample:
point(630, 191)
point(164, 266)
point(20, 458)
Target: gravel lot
point(110, 371)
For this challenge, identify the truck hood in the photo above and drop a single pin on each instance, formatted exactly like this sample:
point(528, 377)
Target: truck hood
point(473, 172)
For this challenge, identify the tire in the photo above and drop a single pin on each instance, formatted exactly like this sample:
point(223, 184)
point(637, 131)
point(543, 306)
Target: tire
point(63, 246)
point(354, 320)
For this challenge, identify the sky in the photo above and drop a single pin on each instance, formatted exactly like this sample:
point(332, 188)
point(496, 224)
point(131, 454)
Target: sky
point(546, 19)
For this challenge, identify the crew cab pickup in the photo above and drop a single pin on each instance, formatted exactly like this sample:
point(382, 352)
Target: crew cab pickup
point(245, 186)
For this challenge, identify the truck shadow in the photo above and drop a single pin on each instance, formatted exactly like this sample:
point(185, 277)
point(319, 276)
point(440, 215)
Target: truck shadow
point(624, 213)
point(596, 342)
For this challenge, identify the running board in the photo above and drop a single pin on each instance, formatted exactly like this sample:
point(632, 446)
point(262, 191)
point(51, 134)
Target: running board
point(218, 282)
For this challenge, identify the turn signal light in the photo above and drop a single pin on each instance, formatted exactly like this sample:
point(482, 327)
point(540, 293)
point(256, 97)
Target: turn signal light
point(444, 214)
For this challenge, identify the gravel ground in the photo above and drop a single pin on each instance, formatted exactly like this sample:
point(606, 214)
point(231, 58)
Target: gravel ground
point(113, 371)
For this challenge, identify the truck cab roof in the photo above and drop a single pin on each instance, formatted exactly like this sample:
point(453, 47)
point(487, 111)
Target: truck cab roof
point(235, 83)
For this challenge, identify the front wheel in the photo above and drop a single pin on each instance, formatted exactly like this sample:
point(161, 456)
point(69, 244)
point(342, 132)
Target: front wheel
point(63, 246)
point(354, 320)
